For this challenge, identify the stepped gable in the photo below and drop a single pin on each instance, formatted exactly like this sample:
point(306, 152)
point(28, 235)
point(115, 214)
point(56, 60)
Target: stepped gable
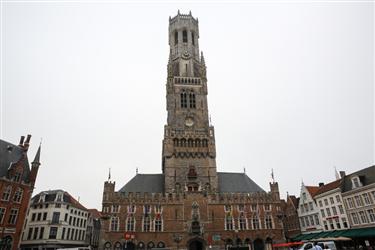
point(145, 183)
point(237, 183)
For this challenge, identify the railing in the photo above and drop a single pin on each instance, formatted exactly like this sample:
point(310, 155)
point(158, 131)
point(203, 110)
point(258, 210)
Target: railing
point(187, 80)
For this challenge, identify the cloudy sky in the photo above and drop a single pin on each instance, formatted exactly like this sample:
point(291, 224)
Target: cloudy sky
point(291, 87)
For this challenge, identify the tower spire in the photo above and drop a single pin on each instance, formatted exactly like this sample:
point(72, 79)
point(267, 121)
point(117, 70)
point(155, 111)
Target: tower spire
point(37, 155)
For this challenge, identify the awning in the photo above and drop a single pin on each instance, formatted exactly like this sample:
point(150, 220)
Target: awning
point(337, 234)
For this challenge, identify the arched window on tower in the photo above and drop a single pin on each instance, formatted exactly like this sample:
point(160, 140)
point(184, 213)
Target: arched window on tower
point(192, 38)
point(183, 96)
point(184, 36)
point(175, 37)
point(192, 100)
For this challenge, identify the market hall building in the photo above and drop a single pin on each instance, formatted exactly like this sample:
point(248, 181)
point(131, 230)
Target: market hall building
point(189, 205)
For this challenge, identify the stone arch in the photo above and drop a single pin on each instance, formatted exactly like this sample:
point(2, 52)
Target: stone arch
point(258, 244)
point(268, 245)
point(196, 243)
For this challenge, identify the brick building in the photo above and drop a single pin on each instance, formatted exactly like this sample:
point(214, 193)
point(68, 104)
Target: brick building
point(17, 181)
point(290, 219)
point(189, 205)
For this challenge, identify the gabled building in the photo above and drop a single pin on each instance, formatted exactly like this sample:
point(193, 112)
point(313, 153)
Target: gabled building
point(358, 193)
point(331, 206)
point(55, 220)
point(290, 219)
point(93, 228)
point(17, 180)
point(308, 211)
point(189, 204)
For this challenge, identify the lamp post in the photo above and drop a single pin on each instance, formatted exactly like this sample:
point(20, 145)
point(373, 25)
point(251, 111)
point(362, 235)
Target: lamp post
point(177, 238)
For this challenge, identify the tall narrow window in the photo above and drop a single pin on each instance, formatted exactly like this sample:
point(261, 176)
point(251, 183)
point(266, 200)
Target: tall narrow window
point(192, 100)
point(184, 36)
point(228, 222)
point(183, 96)
point(256, 222)
point(6, 193)
point(192, 38)
point(146, 223)
point(2, 213)
point(18, 195)
point(130, 224)
point(158, 224)
point(175, 37)
point(114, 224)
point(242, 222)
point(268, 222)
point(13, 216)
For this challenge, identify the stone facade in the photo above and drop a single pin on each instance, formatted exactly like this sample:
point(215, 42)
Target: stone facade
point(16, 187)
point(189, 205)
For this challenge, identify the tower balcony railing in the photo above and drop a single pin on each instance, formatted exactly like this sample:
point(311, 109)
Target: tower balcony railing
point(187, 80)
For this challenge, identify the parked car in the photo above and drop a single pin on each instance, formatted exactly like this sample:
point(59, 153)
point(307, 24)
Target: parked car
point(323, 244)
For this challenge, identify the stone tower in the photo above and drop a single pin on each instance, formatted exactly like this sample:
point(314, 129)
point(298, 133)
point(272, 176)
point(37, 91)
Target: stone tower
point(189, 155)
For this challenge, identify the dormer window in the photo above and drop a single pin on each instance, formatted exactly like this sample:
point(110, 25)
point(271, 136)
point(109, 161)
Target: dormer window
point(42, 198)
point(356, 183)
point(59, 197)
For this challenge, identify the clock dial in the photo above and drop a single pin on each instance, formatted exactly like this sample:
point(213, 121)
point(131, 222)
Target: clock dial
point(189, 121)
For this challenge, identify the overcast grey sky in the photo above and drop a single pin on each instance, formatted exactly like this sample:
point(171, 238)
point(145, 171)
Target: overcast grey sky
point(291, 87)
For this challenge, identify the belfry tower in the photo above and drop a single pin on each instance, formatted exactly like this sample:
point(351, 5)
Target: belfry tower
point(189, 154)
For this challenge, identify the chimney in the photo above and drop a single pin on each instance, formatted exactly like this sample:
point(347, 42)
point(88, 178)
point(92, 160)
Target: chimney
point(342, 174)
point(321, 184)
point(27, 142)
point(21, 140)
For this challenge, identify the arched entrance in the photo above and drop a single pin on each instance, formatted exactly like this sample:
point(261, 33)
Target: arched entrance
point(196, 244)
point(258, 244)
point(129, 245)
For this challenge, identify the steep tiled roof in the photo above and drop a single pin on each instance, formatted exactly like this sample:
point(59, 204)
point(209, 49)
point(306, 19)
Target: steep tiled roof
point(95, 213)
point(50, 196)
point(237, 183)
point(312, 190)
point(366, 176)
point(10, 154)
point(145, 183)
point(329, 186)
point(228, 183)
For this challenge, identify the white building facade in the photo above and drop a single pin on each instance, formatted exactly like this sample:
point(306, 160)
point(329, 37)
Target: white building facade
point(308, 211)
point(331, 206)
point(55, 220)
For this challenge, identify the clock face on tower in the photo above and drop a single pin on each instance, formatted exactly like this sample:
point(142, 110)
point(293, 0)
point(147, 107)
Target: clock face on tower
point(189, 121)
point(186, 55)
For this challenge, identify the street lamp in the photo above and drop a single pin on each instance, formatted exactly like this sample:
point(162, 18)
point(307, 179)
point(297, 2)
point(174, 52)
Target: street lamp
point(177, 238)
